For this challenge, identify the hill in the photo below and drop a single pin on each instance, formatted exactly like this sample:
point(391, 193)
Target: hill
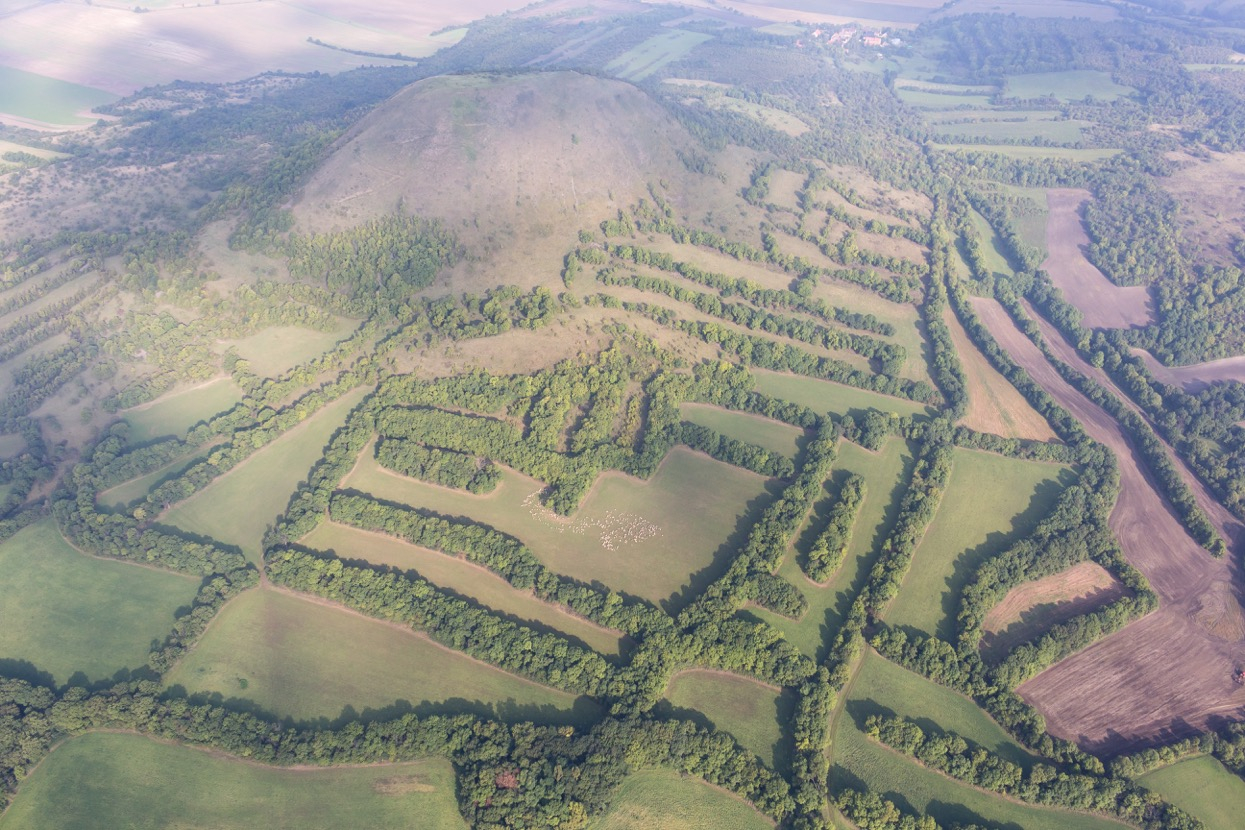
point(514, 163)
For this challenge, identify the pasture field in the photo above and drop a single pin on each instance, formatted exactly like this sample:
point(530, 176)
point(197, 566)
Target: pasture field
point(886, 473)
point(278, 349)
point(882, 685)
point(1068, 85)
point(1022, 151)
point(67, 612)
point(991, 500)
point(638, 63)
point(930, 99)
point(866, 763)
point(665, 799)
point(744, 707)
point(824, 396)
point(1032, 608)
point(1204, 788)
point(462, 577)
point(785, 187)
point(305, 659)
point(240, 505)
point(1030, 221)
point(991, 246)
point(33, 97)
point(994, 405)
point(774, 436)
point(648, 538)
point(1061, 132)
point(177, 412)
point(125, 780)
point(136, 488)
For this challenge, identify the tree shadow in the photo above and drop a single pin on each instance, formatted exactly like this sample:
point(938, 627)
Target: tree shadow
point(965, 566)
point(27, 671)
point(699, 580)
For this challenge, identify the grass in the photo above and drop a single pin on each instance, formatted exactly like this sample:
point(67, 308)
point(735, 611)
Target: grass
point(885, 473)
point(1021, 151)
point(1203, 787)
point(295, 657)
point(990, 501)
point(824, 396)
point(1068, 85)
point(749, 710)
point(774, 436)
point(122, 780)
point(276, 350)
point(665, 799)
point(1060, 132)
point(66, 612)
point(239, 506)
point(638, 63)
point(10, 147)
point(175, 413)
point(880, 684)
point(11, 445)
point(991, 246)
point(48, 100)
point(930, 99)
point(463, 578)
point(866, 764)
point(137, 488)
point(691, 525)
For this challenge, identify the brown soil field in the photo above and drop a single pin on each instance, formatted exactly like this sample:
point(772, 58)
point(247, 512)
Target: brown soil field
point(1211, 193)
point(1196, 376)
point(1103, 303)
point(1168, 674)
point(994, 405)
point(1032, 608)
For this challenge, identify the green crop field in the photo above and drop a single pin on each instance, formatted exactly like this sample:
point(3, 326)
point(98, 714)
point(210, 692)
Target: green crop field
point(774, 436)
point(117, 780)
point(1069, 85)
point(659, 798)
point(654, 53)
point(1204, 788)
point(990, 501)
point(885, 472)
point(866, 763)
point(239, 506)
point(824, 396)
point(276, 350)
point(749, 710)
point(48, 100)
point(175, 413)
point(299, 658)
point(650, 538)
point(462, 577)
point(66, 612)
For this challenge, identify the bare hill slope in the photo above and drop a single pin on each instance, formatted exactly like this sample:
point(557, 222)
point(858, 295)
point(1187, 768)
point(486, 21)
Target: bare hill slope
point(511, 163)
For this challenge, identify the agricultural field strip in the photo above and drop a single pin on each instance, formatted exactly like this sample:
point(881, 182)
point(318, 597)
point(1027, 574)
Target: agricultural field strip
point(1096, 694)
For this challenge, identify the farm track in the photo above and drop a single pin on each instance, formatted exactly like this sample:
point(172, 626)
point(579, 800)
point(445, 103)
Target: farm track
point(1168, 674)
point(1103, 303)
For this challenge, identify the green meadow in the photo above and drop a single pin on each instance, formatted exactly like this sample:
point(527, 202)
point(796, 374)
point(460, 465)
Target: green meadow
point(105, 780)
point(300, 658)
point(990, 501)
point(66, 612)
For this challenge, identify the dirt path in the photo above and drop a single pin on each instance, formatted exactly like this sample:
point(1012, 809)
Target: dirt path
point(1170, 673)
point(1103, 303)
